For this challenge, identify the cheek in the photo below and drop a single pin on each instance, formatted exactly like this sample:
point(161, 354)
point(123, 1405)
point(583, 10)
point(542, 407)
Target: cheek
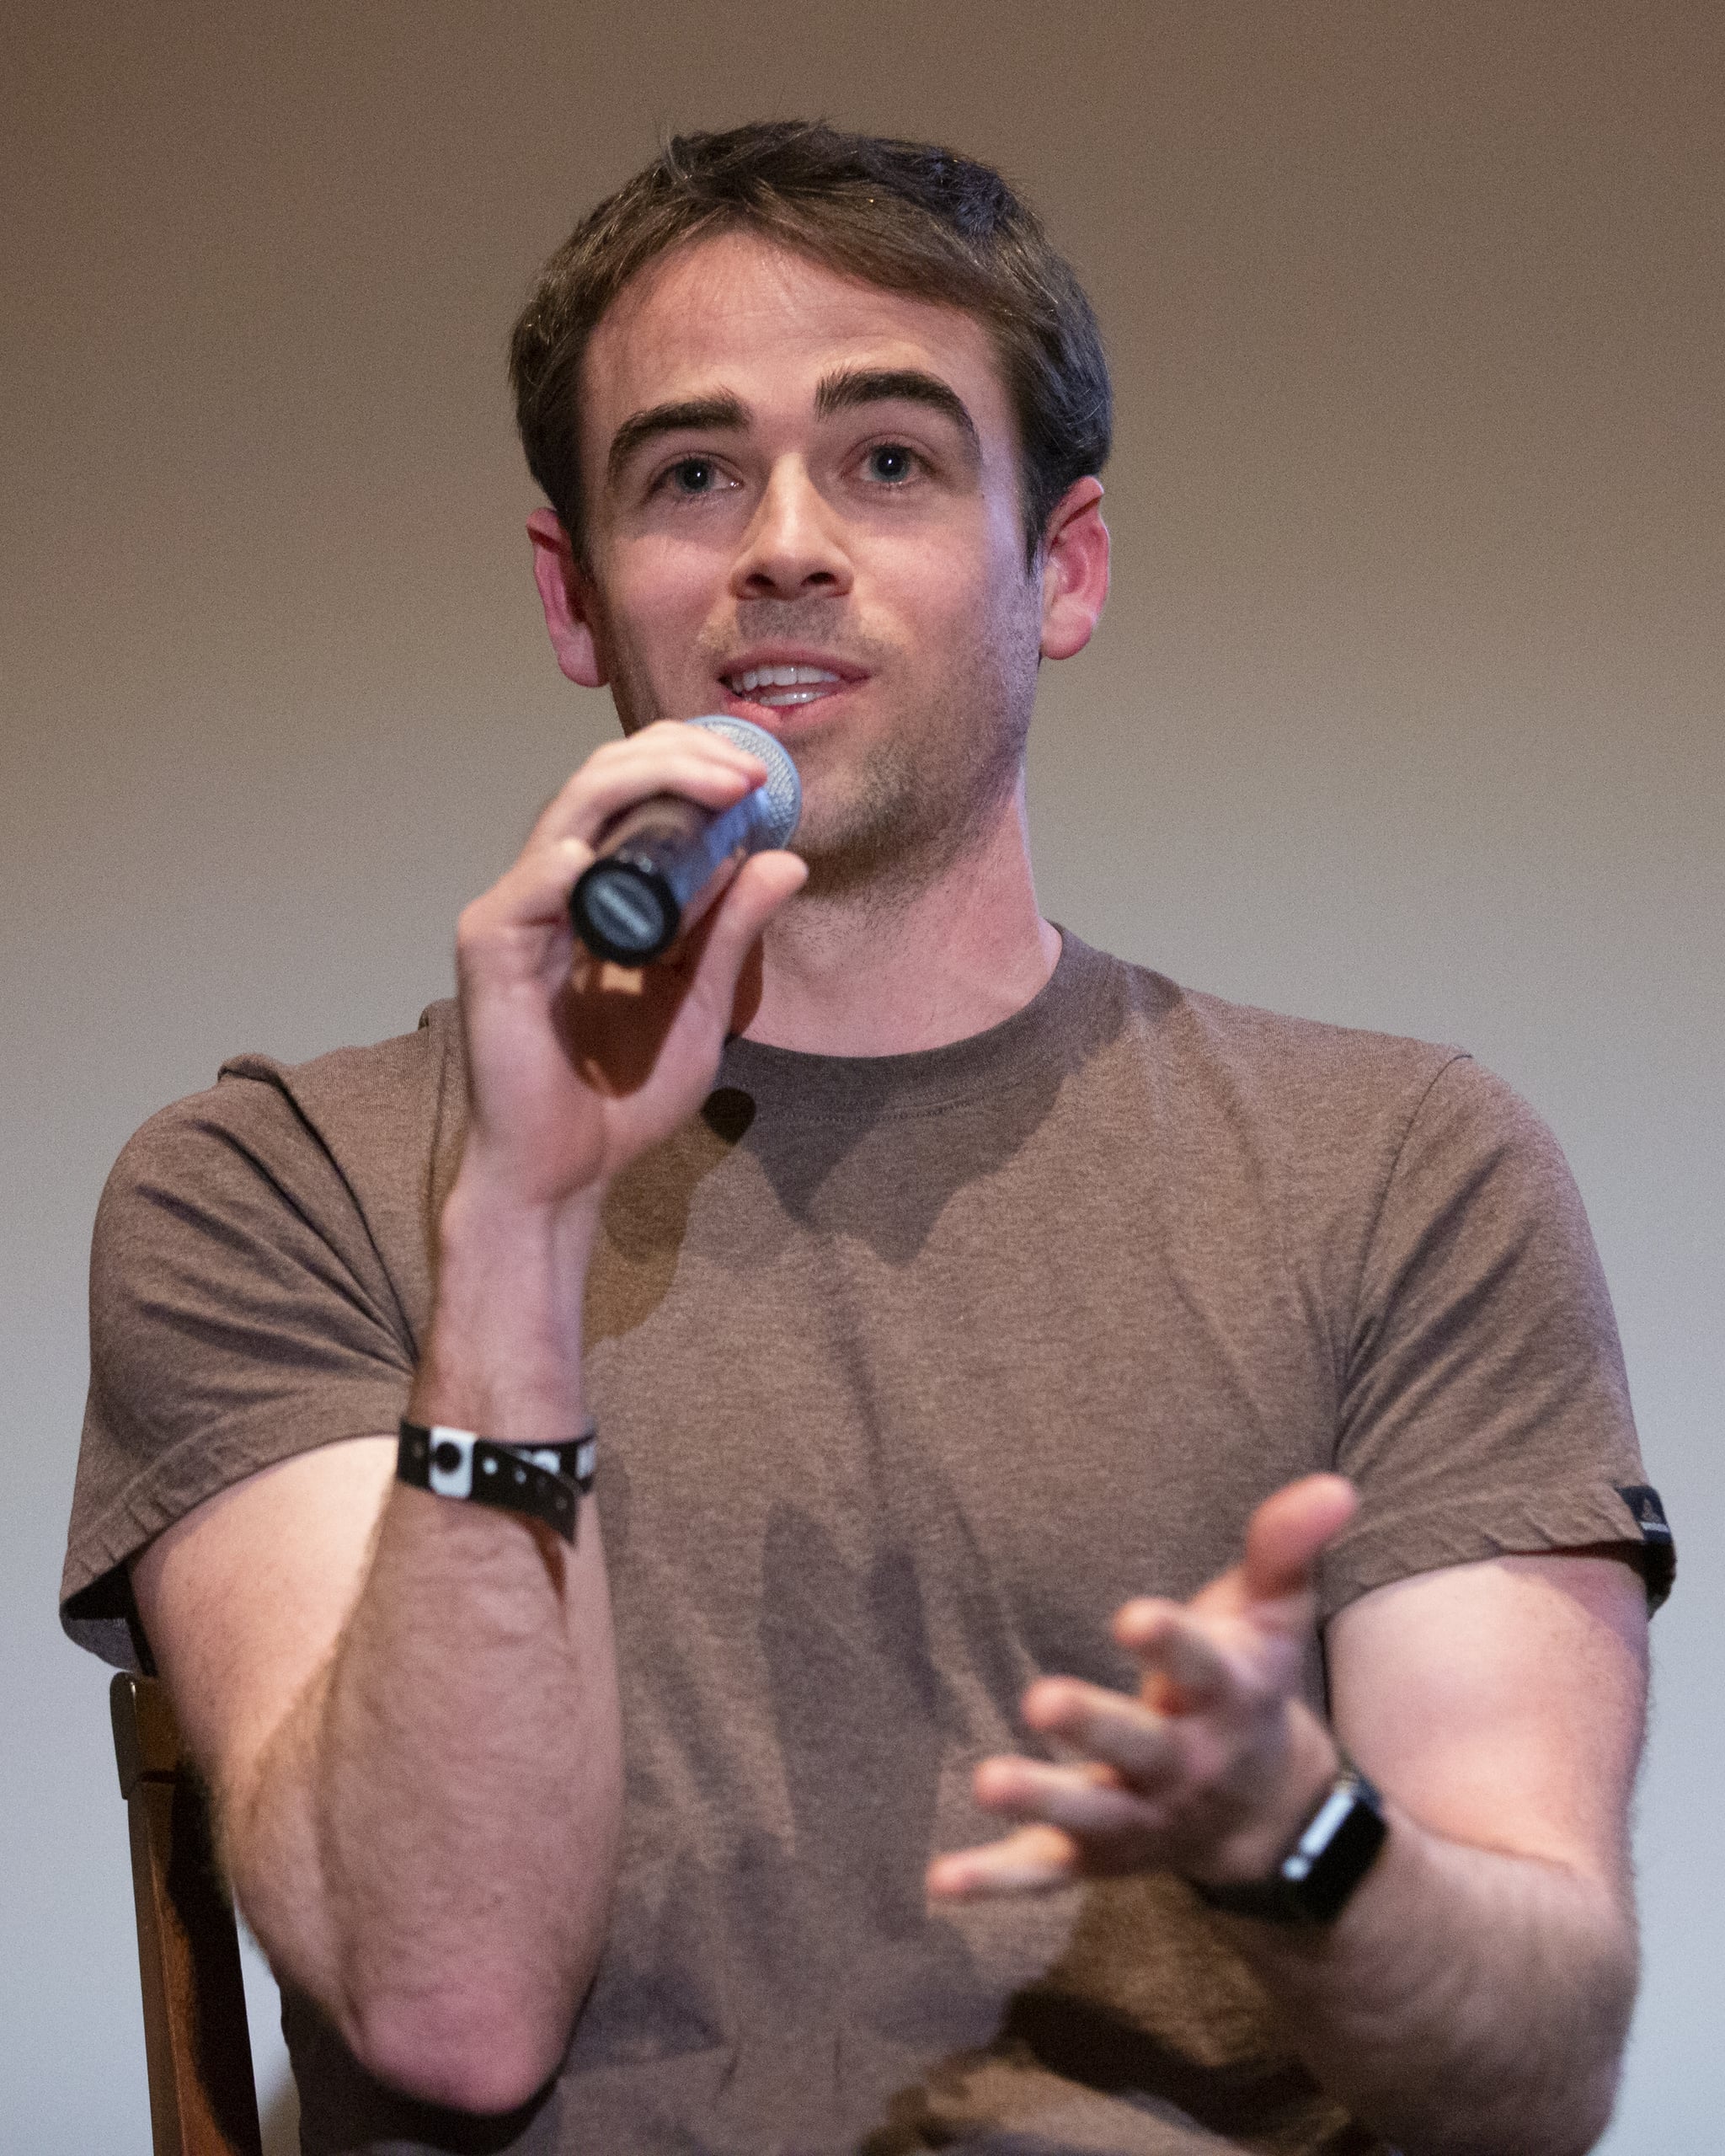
point(999, 612)
point(953, 590)
point(658, 603)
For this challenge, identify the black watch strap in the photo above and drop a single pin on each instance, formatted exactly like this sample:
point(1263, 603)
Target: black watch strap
point(538, 1482)
point(1332, 1853)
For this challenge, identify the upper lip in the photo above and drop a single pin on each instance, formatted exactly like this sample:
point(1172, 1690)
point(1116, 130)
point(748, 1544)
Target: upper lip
point(779, 654)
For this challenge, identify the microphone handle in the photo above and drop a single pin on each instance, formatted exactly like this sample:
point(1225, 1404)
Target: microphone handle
point(659, 856)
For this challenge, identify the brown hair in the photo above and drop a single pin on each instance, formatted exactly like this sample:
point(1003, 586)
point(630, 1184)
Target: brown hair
point(907, 216)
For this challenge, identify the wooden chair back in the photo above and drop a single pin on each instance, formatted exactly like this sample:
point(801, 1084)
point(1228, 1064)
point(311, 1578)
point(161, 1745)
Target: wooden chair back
point(203, 2098)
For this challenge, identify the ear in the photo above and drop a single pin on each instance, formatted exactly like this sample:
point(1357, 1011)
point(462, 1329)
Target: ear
point(566, 595)
point(1075, 569)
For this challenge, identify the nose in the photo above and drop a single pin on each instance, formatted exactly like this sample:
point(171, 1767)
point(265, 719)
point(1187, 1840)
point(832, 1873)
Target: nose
point(794, 547)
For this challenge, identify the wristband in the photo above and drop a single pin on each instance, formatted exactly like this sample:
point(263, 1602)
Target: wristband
point(537, 1482)
point(574, 1459)
point(1331, 1853)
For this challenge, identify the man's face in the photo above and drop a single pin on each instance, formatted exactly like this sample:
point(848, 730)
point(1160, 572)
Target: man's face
point(803, 510)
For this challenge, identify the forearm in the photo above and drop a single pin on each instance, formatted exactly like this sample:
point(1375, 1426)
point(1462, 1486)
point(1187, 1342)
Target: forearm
point(428, 1843)
point(1465, 2000)
point(408, 1707)
point(1473, 1993)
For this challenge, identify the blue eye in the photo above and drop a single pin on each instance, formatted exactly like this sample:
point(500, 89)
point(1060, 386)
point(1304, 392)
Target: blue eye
point(892, 462)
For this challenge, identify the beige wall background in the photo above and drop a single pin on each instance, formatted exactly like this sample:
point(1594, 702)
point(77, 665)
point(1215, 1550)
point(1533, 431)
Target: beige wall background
point(1407, 713)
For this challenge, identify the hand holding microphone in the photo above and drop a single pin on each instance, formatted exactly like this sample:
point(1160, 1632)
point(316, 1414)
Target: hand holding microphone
point(658, 857)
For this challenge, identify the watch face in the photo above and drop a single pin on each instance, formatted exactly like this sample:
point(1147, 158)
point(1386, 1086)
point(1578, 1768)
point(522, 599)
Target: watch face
point(1325, 1823)
point(1354, 1840)
point(1334, 1852)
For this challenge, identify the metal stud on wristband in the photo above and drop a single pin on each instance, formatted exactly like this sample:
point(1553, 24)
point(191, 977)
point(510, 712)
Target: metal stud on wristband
point(538, 1482)
point(574, 1459)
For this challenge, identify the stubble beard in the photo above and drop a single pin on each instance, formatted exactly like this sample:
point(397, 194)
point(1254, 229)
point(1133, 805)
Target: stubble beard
point(919, 804)
point(894, 819)
point(910, 810)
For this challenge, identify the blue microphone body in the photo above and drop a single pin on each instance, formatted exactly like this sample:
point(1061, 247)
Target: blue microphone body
point(660, 856)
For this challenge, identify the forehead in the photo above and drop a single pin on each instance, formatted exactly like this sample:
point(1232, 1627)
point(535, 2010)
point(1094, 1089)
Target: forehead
point(738, 313)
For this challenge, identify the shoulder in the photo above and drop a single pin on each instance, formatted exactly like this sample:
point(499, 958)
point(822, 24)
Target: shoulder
point(1241, 1066)
point(359, 1110)
point(381, 1082)
point(260, 1280)
point(306, 1184)
point(1364, 1140)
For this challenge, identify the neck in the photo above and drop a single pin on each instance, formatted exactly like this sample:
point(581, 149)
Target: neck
point(883, 973)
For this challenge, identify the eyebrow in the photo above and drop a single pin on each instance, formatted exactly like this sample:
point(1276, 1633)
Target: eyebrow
point(853, 385)
point(723, 413)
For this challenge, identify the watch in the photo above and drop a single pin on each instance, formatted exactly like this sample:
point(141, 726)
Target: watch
point(1331, 1853)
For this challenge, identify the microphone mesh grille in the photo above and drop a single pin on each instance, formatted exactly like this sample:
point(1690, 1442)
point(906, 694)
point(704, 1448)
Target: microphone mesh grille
point(783, 788)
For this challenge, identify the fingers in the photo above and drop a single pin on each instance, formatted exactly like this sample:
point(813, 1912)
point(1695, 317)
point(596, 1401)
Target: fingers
point(666, 757)
point(1034, 1860)
point(1203, 1766)
point(760, 886)
point(1184, 1652)
point(1133, 1741)
point(575, 1065)
point(1274, 1582)
point(1096, 1816)
point(533, 895)
point(1086, 1799)
point(1288, 1531)
point(621, 1022)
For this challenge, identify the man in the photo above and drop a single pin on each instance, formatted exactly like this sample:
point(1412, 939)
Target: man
point(940, 1748)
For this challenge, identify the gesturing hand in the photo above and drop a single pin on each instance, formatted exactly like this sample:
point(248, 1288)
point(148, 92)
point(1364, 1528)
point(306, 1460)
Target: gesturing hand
point(1212, 1770)
point(575, 1066)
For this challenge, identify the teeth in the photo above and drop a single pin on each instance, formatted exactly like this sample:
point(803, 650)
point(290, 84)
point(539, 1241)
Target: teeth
point(777, 677)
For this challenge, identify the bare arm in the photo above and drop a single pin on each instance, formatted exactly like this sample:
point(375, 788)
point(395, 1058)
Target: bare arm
point(408, 1708)
point(381, 1685)
point(1475, 1992)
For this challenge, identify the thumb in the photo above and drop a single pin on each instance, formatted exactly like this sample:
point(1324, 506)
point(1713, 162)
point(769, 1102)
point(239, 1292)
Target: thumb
point(755, 893)
point(1289, 1529)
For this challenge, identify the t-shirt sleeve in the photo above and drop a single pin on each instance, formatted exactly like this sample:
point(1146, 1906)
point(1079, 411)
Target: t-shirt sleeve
point(241, 1313)
point(1485, 1409)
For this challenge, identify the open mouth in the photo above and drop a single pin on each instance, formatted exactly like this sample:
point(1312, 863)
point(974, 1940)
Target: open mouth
point(779, 688)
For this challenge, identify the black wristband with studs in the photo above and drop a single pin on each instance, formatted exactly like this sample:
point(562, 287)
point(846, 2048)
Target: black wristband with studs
point(537, 1482)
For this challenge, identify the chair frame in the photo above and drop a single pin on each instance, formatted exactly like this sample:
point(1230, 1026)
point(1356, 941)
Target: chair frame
point(203, 2095)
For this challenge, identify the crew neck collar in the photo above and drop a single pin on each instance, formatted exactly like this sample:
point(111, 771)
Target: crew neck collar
point(1051, 1030)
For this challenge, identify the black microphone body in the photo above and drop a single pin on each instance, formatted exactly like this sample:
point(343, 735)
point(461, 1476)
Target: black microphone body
point(659, 856)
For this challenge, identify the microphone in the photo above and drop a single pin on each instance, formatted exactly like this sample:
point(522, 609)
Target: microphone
point(659, 855)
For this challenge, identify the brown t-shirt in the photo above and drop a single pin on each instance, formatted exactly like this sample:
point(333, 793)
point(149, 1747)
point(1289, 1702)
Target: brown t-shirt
point(909, 1370)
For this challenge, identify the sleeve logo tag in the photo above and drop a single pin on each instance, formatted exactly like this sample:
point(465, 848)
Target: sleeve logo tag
point(1643, 1501)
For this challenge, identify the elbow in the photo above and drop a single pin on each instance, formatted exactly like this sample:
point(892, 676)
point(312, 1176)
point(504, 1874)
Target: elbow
point(465, 2051)
point(1593, 2089)
point(1579, 2093)
point(477, 2021)
point(1594, 2099)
